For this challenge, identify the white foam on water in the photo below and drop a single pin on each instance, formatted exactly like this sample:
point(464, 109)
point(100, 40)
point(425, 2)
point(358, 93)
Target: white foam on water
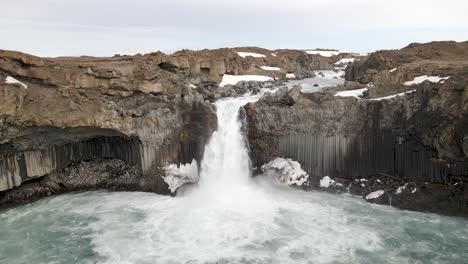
point(229, 218)
point(326, 78)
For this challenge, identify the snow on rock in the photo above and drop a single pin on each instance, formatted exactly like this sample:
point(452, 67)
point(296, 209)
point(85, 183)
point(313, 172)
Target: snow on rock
point(290, 76)
point(234, 79)
point(392, 70)
point(326, 181)
point(345, 61)
point(269, 68)
point(375, 195)
point(286, 171)
point(392, 96)
point(250, 54)
point(421, 79)
point(176, 176)
point(192, 86)
point(352, 93)
point(324, 53)
point(401, 189)
point(11, 80)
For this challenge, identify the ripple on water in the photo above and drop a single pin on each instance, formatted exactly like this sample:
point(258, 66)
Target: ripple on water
point(266, 224)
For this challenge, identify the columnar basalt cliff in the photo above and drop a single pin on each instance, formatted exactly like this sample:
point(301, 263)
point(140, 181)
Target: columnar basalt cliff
point(59, 112)
point(79, 123)
point(405, 142)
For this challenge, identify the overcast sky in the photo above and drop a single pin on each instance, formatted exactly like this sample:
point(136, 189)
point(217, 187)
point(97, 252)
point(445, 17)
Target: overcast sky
point(106, 27)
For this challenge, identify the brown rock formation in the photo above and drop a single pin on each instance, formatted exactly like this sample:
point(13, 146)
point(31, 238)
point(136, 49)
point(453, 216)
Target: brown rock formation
point(57, 113)
point(419, 138)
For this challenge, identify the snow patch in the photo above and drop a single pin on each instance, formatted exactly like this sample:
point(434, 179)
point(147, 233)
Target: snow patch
point(251, 54)
point(176, 176)
point(326, 181)
point(234, 79)
point(192, 86)
point(392, 96)
point(324, 53)
point(274, 55)
point(414, 190)
point(393, 70)
point(375, 195)
point(11, 80)
point(290, 76)
point(345, 61)
point(352, 93)
point(286, 171)
point(421, 79)
point(401, 189)
point(270, 68)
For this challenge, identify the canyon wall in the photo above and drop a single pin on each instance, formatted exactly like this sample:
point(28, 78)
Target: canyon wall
point(119, 119)
point(371, 143)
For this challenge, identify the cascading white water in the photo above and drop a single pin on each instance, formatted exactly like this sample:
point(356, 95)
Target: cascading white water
point(226, 160)
point(229, 218)
point(225, 167)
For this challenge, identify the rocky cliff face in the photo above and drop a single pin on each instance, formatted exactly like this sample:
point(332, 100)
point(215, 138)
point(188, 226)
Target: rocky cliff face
point(210, 65)
point(408, 151)
point(55, 113)
point(85, 123)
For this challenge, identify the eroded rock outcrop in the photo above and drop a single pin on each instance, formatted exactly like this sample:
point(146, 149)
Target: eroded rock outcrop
point(210, 65)
point(146, 111)
point(373, 144)
point(67, 111)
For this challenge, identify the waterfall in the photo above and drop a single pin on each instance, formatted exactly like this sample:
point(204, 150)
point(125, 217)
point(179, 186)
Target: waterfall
point(226, 161)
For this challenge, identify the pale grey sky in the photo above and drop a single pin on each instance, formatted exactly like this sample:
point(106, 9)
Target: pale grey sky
point(106, 27)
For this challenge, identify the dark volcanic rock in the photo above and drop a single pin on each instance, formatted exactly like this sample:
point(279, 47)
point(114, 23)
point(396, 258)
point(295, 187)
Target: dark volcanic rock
point(141, 110)
point(366, 146)
point(97, 174)
point(465, 145)
point(72, 110)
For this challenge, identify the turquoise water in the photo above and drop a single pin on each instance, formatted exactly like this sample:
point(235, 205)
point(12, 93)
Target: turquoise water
point(261, 224)
point(229, 218)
